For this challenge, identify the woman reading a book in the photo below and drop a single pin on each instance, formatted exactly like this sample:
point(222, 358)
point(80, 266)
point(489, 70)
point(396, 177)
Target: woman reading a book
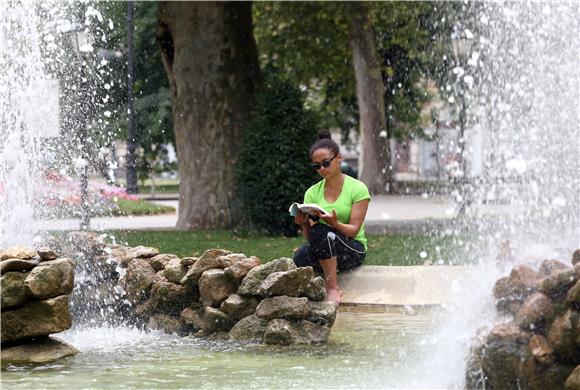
point(336, 239)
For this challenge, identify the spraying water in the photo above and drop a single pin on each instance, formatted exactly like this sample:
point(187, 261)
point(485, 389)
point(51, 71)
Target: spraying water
point(521, 78)
point(54, 87)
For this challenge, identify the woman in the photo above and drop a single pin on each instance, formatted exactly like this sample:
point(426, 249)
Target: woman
point(336, 241)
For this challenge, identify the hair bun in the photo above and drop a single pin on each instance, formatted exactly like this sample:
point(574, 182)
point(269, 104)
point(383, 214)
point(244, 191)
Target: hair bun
point(322, 134)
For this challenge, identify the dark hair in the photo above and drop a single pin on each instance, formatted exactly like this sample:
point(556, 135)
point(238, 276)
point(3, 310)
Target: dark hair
point(324, 142)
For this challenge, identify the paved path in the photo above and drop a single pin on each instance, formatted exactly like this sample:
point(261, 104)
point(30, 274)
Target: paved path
point(385, 214)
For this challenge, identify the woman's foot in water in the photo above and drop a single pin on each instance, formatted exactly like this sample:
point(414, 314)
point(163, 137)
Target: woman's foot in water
point(334, 295)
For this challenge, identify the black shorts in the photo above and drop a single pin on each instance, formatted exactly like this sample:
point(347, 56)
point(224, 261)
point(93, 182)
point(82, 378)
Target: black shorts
point(321, 245)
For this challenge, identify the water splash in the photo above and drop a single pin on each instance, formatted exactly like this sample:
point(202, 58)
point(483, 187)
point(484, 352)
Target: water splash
point(524, 108)
point(21, 68)
point(55, 118)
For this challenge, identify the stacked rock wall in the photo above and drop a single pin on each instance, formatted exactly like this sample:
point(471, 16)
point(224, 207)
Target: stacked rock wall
point(35, 304)
point(219, 294)
point(539, 346)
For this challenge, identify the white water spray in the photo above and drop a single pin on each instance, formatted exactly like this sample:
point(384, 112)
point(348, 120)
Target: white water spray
point(524, 105)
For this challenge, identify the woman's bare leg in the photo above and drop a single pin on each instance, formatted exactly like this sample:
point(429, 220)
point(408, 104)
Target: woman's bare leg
point(333, 292)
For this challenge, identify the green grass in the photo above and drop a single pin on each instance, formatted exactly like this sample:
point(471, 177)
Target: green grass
point(383, 250)
point(140, 207)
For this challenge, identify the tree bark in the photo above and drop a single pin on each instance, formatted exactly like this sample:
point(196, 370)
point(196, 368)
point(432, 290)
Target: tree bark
point(375, 168)
point(211, 60)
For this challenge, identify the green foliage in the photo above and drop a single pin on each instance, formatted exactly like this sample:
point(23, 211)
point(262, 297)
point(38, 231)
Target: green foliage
point(309, 42)
point(274, 166)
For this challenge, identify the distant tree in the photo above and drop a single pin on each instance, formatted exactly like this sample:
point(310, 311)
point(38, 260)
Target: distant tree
point(375, 168)
point(211, 60)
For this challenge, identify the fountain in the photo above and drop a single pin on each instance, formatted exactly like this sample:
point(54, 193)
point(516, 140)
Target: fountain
point(523, 107)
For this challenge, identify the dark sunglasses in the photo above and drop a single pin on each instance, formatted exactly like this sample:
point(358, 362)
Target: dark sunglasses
point(324, 164)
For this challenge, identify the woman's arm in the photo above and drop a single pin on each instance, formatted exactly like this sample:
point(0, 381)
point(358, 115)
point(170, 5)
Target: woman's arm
point(303, 220)
point(357, 217)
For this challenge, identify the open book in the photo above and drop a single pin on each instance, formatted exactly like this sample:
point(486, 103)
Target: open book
point(308, 208)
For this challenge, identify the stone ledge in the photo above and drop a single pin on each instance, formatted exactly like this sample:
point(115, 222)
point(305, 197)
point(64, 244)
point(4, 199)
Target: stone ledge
point(374, 287)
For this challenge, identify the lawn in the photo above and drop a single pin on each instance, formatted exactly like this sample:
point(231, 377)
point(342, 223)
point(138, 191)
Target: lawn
point(383, 250)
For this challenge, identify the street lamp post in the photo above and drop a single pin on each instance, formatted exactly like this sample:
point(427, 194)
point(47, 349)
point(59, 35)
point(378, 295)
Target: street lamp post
point(462, 46)
point(461, 49)
point(131, 128)
point(80, 41)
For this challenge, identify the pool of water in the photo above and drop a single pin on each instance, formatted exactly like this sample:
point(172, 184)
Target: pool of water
point(366, 350)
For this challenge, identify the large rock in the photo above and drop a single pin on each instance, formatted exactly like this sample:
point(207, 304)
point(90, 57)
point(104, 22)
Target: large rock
point(119, 253)
point(535, 312)
point(40, 318)
point(240, 269)
point(192, 318)
point(175, 271)
point(557, 286)
point(188, 261)
point(166, 323)
point(215, 286)
point(521, 280)
point(564, 336)
point(253, 280)
point(474, 375)
point(573, 381)
point(211, 259)
point(142, 252)
point(13, 292)
point(50, 279)
point(512, 290)
point(138, 279)
point(87, 242)
point(290, 283)
point(322, 313)
point(37, 352)
point(536, 376)
point(249, 328)
point(17, 265)
point(541, 350)
point(552, 267)
point(576, 259)
point(504, 351)
point(283, 307)
point(316, 289)
point(215, 320)
point(573, 295)
point(158, 262)
point(47, 253)
point(170, 298)
point(284, 332)
point(17, 252)
point(239, 307)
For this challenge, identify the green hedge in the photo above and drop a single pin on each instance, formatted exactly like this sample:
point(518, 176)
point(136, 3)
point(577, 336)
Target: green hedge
point(274, 165)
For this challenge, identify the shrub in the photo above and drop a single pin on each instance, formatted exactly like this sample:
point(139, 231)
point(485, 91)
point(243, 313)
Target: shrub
point(274, 165)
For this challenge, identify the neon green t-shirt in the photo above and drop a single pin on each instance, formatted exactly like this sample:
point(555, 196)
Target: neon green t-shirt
point(353, 191)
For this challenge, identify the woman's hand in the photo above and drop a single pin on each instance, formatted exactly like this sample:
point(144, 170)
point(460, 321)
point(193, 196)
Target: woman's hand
point(301, 218)
point(330, 219)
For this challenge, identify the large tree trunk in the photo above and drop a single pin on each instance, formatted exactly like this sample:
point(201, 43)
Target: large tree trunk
point(211, 59)
point(375, 166)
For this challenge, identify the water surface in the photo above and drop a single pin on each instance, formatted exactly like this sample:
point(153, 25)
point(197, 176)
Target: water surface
point(366, 350)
